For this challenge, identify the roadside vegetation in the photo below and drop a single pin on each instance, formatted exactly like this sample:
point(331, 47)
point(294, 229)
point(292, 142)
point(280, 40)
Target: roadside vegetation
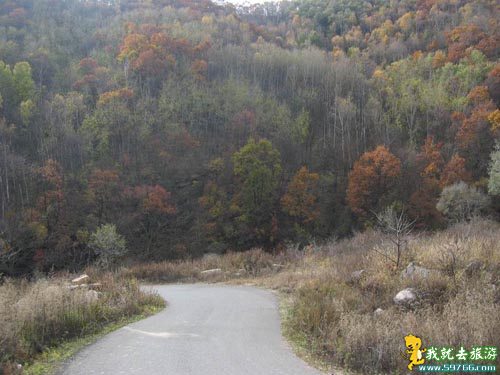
point(39, 316)
point(340, 295)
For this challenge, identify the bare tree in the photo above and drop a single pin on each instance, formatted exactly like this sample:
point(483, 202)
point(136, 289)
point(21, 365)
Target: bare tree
point(396, 225)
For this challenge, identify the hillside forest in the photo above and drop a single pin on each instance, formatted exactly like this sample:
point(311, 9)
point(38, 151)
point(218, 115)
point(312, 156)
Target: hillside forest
point(164, 130)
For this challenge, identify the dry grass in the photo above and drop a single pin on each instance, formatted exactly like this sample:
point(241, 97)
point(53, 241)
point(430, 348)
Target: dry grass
point(332, 315)
point(38, 315)
point(252, 263)
point(336, 314)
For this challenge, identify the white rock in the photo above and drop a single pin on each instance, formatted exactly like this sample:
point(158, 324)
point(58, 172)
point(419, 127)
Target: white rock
point(405, 297)
point(81, 279)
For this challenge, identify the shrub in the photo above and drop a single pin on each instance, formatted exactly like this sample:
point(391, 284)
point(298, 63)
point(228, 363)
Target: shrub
point(397, 227)
point(460, 202)
point(108, 244)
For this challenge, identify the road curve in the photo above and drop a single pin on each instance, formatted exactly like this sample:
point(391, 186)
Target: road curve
point(205, 330)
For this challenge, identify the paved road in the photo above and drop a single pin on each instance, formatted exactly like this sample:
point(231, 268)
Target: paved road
point(205, 330)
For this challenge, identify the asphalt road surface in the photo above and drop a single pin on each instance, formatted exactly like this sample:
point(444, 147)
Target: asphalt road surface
point(205, 330)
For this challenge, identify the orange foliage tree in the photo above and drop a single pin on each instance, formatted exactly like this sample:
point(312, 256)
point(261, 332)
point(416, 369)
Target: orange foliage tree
point(423, 200)
point(151, 53)
point(462, 39)
point(475, 137)
point(300, 199)
point(454, 172)
point(153, 208)
point(372, 180)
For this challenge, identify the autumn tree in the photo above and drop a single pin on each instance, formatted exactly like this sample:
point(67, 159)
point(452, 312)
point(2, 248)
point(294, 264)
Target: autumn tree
point(300, 199)
point(93, 79)
point(454, 172)
point(430, 163)
point(151, 53)
point(474, 137)
point(462, 39)
point(152, 210)
point(372, 181)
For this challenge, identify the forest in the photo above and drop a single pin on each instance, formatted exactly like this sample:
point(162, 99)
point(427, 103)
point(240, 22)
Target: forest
point(166, 129)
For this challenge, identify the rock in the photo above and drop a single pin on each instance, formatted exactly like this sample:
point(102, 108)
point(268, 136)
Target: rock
point(413, 271)
point(81, 279)
point(405, 297)
point(378, 312)
point(214, 271)
point(92, 296)
point(356, 276)
point(473, 268)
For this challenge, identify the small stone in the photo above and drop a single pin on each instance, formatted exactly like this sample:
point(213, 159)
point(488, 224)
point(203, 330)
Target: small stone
point(378, 312)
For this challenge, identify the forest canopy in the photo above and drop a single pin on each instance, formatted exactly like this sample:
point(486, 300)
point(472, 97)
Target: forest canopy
point(192, 127)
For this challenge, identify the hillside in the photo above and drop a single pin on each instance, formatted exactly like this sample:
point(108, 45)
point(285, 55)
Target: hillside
point(189, 127)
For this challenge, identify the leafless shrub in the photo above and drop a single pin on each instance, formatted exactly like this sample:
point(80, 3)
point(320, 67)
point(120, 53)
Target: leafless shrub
point(398, 228)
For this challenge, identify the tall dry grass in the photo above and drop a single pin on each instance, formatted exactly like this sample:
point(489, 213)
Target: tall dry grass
point(456, 307)
point(251, 263)
point(38, 315)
